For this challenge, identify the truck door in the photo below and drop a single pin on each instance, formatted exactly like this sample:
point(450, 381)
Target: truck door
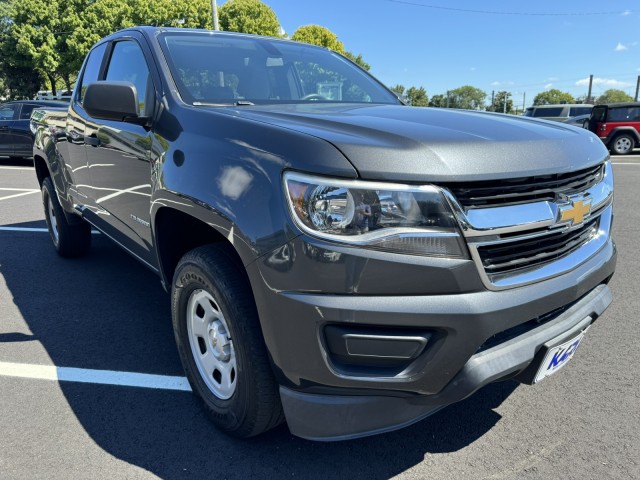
point(118, 156)
point(76, 156)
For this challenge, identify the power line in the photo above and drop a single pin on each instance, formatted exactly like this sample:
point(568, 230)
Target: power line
point(523, 14)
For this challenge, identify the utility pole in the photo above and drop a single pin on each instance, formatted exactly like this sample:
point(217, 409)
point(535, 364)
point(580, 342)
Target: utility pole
point(214, 14)
point(524, 102)
point(493, 97)
point(637, 88)
point(447, 98)
point(590, 85)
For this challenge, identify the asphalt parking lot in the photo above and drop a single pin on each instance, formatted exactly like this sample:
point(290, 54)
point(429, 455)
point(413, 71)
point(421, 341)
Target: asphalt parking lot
point(105, 319)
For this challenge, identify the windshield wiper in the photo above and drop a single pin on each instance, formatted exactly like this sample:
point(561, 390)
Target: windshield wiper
point(237, 103)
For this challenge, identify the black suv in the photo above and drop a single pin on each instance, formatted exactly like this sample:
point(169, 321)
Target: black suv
point(617, 125)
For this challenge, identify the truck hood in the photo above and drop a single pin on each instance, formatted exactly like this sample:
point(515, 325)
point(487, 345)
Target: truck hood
point(399, 143)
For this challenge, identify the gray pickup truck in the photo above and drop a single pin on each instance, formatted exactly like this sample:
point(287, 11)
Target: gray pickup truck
point(335, 258)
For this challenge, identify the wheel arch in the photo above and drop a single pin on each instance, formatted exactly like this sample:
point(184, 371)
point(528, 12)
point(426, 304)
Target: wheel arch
point(616, 132)
point(177, 232)
point(42, 170)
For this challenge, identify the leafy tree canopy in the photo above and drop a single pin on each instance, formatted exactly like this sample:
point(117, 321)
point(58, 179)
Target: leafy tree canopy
point(249, 16)
point(614, 95)
point(358, 60)
point(399, 89)
point(502, 103)
point(418, 97)
point(467, 97)
point(317, 35)
point(439, 101)
point(553, 97)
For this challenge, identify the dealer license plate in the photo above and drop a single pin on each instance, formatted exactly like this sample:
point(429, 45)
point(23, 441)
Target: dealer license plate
point(558, 357)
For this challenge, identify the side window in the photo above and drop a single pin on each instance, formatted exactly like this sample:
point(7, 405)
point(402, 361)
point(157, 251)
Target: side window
point(25, 113)
point(127, 64)
point(92, 69)
point(7, 111)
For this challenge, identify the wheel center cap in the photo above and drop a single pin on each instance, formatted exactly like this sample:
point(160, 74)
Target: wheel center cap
point(218, 338)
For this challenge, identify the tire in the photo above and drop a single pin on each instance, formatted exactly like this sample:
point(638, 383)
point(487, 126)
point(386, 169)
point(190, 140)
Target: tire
point(220, 342)
point(623, 144)
point(69, 240)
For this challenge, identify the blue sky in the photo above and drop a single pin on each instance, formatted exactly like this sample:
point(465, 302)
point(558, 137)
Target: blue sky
point(548, 44)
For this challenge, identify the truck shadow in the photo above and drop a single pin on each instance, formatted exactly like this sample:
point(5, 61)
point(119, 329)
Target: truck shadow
point(107, 312)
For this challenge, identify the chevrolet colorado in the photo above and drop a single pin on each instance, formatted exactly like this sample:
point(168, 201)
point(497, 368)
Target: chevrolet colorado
point(334, 257)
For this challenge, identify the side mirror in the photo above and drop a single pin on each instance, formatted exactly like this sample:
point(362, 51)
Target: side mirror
point(117, 101)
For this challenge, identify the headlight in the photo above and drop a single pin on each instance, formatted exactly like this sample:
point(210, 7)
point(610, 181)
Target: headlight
point(381, 216)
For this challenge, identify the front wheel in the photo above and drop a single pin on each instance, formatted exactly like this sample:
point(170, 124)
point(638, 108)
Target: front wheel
point(69, 240)
point(220, 342)
point(623, 144)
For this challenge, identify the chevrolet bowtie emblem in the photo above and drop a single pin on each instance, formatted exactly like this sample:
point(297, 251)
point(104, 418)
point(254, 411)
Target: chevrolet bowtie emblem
point(575, 212)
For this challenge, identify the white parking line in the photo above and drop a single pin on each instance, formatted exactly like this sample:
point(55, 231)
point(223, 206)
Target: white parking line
point(16, 168)
point(23, 191)
point(23, 229)
point(101, 377)
point(624, 163)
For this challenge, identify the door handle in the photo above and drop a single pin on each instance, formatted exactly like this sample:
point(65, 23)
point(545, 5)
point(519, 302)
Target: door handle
point(93, 141)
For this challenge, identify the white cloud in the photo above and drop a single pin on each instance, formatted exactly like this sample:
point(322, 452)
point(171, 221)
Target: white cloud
point(626, 13)
point(473, 69)
point(552, 79)
point(548, 86)
point(603, 82)
point(620, 47)
point(498, 84)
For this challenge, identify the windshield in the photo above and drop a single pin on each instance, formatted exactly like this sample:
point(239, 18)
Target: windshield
point(227, 69)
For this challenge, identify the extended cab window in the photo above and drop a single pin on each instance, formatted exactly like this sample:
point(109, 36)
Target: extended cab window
point(92, 69)
point(127, 64)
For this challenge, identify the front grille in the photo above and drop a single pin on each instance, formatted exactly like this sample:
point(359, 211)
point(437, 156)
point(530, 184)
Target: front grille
point(525, 189)
point(511, 257)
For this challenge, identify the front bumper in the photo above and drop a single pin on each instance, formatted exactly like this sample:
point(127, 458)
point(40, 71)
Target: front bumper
point(473, 336)
point(343, 417)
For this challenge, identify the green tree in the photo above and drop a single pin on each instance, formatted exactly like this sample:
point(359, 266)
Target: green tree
point(97, 20)
point(399, 89)
point(502, 103)
point(31, 38)
point(613, 95)
point(553, 97)
point(249, 16)
point(418, 97)
point(438, 101)
point(317, 35)
point(467, 97)
point(323, 37)
point(358, 60)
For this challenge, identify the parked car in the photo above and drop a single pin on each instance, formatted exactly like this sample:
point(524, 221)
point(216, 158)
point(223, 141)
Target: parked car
point(16, 138)
point(617, 125)
point(578, 120)
point(559, 113)
point(334, 258)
